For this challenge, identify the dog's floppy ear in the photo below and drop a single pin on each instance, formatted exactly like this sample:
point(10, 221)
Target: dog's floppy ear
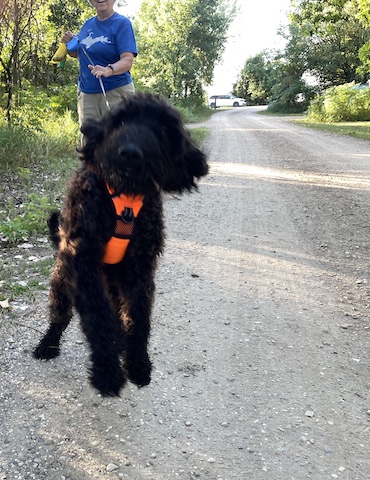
point(93, 132)
point(195, 158)
point(189, 160)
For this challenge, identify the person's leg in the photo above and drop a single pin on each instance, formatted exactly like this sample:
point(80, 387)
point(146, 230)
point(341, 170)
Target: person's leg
point(117, 94)
point(88, 106)
point(95, 105)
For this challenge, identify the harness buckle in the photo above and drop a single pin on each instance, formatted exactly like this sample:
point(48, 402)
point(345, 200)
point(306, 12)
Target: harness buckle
point(127, 215)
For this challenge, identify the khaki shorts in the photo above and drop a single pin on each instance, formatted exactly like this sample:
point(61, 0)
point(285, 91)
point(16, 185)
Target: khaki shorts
point(94, 105)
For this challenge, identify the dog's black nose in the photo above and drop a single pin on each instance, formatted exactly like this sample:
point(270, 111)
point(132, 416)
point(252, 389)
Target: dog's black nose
point(130, 151)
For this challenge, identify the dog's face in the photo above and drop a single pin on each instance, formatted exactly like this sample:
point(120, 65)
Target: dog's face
point(141, 145)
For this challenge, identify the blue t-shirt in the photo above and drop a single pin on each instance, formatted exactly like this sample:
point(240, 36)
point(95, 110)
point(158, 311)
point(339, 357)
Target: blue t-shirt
point(104, 41)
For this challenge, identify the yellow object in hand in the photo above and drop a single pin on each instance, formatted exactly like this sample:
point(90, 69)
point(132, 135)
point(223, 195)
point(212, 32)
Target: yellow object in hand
point(60, 55)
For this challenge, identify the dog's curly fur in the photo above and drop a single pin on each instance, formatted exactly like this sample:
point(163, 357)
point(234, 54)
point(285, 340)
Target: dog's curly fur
point(141, 147)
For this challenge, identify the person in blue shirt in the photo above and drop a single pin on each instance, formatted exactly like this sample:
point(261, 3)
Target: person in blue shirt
point(105, 48)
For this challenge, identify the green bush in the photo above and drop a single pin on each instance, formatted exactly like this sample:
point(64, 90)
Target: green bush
point(34, 107)
point(281, 107)
point(22, 222)
point(344, 103)
point(195, 115)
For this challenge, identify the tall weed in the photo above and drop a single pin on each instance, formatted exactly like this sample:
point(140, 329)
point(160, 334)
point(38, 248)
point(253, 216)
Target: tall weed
point(36, 162)
point(23, 147)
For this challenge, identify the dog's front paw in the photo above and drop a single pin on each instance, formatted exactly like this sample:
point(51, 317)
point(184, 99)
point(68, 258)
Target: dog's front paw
point(139, 368)
point(108, 379)
point(45, 351)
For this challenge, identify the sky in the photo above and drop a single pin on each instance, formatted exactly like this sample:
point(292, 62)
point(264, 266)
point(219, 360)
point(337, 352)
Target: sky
point(253, 30)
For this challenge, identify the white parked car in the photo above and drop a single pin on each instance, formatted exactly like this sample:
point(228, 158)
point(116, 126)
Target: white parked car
point(215, 101)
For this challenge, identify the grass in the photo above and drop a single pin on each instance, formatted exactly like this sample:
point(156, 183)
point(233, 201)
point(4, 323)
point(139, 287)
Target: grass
point(196, 115)
point(27, 202)
point(26, 290)
point(35, 167)
point(279, 114)
point(199, 134)
point(22, 278)
point(353, 129)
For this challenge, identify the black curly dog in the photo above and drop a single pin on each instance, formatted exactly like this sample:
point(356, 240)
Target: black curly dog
point(139, 149)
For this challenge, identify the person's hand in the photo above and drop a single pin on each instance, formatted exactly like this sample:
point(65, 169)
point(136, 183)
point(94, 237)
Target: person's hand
point(67, 37)
point(99, 71)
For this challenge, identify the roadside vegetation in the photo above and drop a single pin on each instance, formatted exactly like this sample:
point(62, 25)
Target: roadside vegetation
point(352, 129)
point(323, 71)
point(344, 110)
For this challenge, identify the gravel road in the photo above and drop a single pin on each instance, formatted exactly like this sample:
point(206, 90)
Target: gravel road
point(261, 332)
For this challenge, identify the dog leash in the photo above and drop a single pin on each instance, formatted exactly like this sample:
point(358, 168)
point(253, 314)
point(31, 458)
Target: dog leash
point(100, 79)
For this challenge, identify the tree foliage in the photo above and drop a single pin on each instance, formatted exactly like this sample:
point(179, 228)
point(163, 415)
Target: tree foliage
point(326, 41)
point(256, 79)
point(276, 77)
point(364, 8)
point(364, 53)
point(334, 32)
point(15, 31)
point(318, 13)
point(30, 31)
point(179, 44)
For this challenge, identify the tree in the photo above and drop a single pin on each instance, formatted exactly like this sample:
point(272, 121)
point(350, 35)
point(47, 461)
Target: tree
point(364, 53)
point(276, 77)
point(68, 15)
point(334, 32)
point(256, 79)
point(317, 13)
point(364, 8)
point(323, 41)
point(30, 31)
point(15, 22)
point(179, 44)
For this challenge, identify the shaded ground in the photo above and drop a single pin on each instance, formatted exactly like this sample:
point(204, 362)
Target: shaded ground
point(260, 338)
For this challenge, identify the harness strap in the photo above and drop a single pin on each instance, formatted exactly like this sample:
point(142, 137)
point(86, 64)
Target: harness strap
point(127, 209)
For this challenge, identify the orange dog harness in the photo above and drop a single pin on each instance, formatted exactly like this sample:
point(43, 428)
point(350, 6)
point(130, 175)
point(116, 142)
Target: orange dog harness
point(127, 209)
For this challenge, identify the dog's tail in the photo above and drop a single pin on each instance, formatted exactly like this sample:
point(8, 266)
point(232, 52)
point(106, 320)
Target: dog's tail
point(53, 223)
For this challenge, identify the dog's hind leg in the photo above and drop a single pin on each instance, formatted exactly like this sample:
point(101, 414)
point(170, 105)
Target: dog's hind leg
point(60, 316)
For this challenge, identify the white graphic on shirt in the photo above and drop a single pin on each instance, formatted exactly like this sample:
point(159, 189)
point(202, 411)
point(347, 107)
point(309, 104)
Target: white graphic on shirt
point(89, 41)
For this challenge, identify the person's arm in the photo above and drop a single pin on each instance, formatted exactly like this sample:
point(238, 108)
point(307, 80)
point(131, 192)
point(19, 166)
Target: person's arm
point(123, 65)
